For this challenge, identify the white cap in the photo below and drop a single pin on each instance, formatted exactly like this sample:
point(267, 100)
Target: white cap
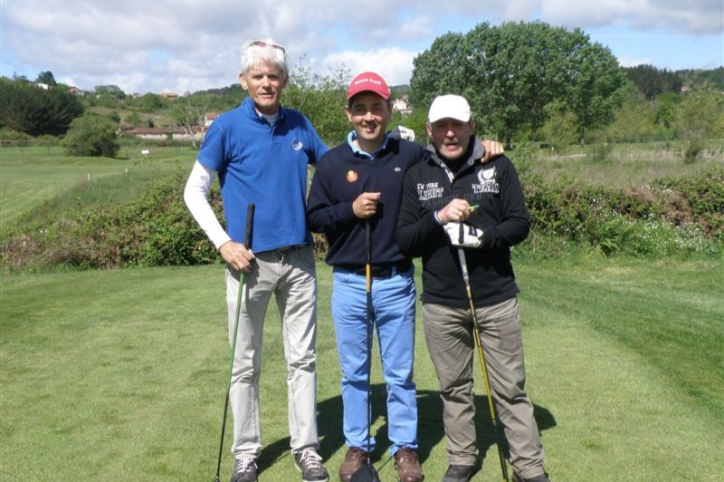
point(449, 107)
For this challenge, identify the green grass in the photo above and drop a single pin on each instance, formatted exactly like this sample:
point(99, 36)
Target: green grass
point(30, 176)
point(120, 375)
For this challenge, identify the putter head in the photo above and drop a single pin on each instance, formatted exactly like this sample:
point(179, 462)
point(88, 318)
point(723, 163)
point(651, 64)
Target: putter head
point(366, 473)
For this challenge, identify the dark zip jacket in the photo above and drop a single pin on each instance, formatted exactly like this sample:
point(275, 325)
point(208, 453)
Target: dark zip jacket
point(501, 214)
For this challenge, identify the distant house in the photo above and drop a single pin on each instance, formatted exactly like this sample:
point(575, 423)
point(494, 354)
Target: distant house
point(169, 95)
point(77, 91)
point(210, 117)
point(165, 133)
point(402, 105)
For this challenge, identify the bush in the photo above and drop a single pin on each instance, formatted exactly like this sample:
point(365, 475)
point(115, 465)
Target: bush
point(156, 229)
point(680, 217)
point(704, 194)
point(693, 151)
point(91, 136)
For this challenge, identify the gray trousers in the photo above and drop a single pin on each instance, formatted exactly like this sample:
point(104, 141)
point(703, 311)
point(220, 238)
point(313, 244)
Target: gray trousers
point(291, 277)
point(449, 336)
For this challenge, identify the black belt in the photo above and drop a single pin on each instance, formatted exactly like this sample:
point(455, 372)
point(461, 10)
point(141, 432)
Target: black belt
point(381, 270)
point(288, 248)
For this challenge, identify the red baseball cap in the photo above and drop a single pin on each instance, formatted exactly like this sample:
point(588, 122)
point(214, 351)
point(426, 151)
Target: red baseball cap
point(369, 82)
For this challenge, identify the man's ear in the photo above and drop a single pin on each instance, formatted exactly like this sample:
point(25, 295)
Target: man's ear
point(242, 81)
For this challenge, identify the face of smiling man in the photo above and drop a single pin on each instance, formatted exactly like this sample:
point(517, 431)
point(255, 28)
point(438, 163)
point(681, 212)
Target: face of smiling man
point(264, 83)
point(451, 136)
point(369, 114)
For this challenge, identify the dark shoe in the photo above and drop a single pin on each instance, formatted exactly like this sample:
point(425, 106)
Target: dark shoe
point(353, 460)
point(309, 463)
point(458, 473)
point(408, 466)
point(537, 478)
point(244, 470)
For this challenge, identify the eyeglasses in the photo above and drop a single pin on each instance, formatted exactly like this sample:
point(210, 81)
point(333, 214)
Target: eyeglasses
point(260, 43)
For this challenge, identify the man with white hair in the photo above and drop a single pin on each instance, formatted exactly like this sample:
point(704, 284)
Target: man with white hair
point(260, 151)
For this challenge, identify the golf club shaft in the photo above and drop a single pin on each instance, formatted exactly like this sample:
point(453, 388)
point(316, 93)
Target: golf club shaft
point(368, 288)
point(247, 245)
point(483, 362)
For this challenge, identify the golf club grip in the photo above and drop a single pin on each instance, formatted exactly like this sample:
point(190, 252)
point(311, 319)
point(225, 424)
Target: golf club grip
point(249, 223)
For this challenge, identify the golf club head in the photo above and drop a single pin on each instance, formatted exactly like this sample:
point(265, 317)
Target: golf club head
point(366, 473)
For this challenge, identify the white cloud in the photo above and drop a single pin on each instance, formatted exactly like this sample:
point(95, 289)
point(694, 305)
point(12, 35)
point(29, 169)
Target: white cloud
point(626, 61)
point(694, 17)
point(394, 65)
point(160, 45)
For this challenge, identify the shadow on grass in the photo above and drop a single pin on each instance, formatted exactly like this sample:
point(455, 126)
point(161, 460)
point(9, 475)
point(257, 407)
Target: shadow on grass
point(430, 429)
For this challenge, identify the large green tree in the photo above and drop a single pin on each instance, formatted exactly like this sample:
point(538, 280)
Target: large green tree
point(27, 108)
point(510, 73)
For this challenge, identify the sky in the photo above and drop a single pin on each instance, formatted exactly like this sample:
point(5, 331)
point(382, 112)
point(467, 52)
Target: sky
point(186, 46)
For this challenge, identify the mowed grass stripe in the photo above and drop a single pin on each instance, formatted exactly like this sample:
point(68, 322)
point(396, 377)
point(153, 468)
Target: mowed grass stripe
point(617, 417)
point(672, 315)
point(632, 401)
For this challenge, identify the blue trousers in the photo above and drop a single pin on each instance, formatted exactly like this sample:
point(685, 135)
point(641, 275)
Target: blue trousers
point(393, 299)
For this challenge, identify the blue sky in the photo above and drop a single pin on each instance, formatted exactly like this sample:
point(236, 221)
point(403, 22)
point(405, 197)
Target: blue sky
point(185, 46)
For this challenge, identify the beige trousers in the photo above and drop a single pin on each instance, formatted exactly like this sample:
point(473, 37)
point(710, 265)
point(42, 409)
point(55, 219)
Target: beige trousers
point(449, 336)
point(290, 276)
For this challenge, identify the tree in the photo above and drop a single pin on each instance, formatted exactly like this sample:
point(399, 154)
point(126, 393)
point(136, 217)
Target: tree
point(91, 136)
point(112, 91)
point(188, 115)
point(321, 99)
point(34, 111)
point(509, 74)
point(652, 82)
point(699, 114)
point(150, 102)
point(46, 78)
point(634, 120)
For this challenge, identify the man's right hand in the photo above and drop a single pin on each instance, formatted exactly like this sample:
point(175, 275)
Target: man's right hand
point(237, 256)
point(365, 206)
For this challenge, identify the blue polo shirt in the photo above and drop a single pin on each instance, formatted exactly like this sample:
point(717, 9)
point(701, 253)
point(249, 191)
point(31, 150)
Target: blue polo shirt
point(265, 165)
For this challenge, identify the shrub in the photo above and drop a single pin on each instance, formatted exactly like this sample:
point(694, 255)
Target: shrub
point(693, 151)
point(91, 136)
point(155, 229)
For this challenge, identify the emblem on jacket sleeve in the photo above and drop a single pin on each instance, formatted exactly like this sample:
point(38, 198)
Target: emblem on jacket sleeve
point(351, 176)
point(297, 144)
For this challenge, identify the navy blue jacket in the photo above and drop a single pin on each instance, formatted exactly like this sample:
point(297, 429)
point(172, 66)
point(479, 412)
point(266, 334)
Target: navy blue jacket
point(341, 176)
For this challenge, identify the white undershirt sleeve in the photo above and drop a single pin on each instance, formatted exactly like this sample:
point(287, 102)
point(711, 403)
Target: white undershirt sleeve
point(196, 196)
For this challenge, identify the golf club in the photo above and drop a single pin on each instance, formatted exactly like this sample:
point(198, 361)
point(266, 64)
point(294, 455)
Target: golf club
point(368, 473)
point(247, 245)
point(483, 363)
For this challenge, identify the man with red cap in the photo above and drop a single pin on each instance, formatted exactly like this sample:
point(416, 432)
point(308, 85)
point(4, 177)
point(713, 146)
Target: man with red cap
point(359, 182)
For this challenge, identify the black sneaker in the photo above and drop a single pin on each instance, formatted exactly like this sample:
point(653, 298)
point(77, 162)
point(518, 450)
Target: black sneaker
point(244, 470)
point(459, 473)
point(309, 463)
point(537, 478)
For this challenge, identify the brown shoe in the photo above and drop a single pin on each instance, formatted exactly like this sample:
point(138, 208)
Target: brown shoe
point(353, 460)
point(408, 466)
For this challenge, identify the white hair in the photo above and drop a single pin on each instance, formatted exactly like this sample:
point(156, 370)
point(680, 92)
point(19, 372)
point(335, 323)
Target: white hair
point(263, 52)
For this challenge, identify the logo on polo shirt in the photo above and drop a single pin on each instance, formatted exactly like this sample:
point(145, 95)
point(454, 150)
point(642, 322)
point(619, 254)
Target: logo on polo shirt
point(297, 145)
point(351, 176)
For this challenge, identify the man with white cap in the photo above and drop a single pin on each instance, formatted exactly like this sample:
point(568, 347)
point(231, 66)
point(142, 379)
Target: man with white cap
point(449, 202)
